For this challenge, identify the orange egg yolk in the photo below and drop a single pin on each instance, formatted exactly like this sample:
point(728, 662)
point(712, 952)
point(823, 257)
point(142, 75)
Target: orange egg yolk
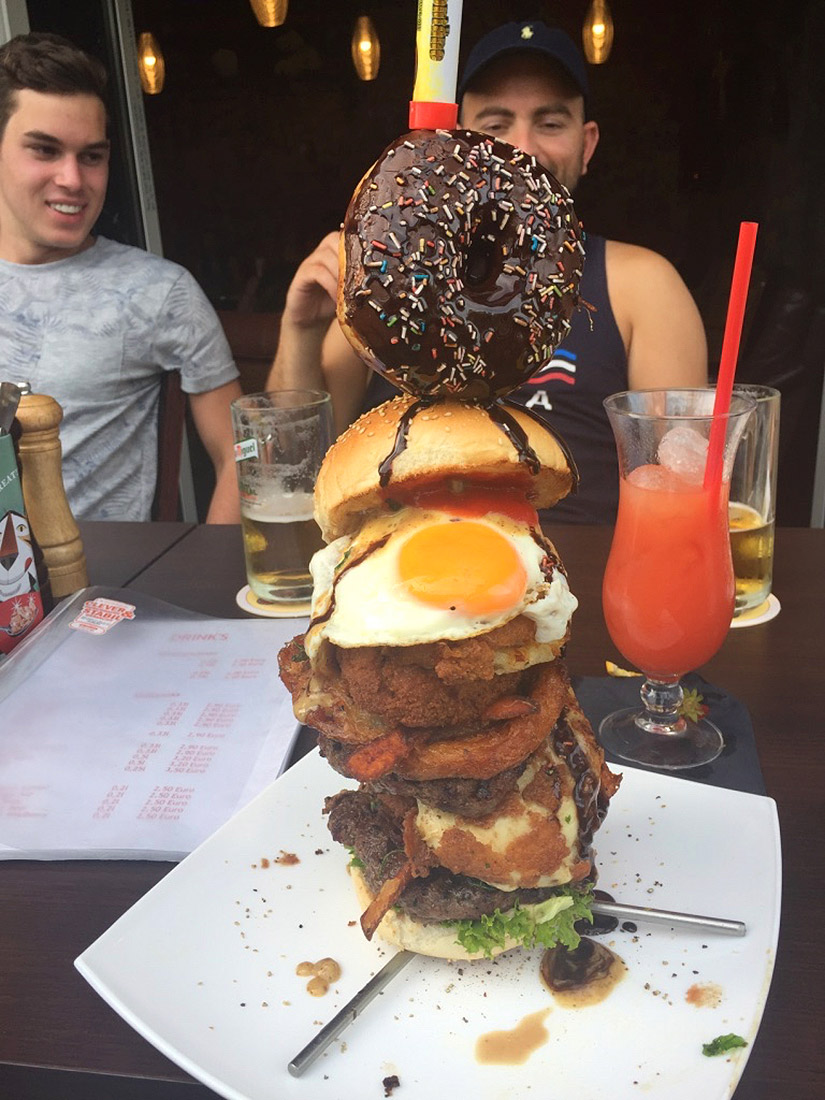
point(464, 566)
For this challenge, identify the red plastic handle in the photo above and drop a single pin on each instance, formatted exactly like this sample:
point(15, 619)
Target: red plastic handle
point(433, 116)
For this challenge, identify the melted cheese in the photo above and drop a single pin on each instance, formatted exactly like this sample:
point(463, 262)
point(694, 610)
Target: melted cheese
point(498, 836)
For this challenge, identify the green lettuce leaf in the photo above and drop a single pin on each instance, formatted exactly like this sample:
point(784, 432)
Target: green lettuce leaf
point(722, 1044)
point(354, 859)
point(547, 923)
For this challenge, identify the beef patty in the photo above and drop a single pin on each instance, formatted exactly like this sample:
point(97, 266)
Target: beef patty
point(371, 827)
point(466, 797)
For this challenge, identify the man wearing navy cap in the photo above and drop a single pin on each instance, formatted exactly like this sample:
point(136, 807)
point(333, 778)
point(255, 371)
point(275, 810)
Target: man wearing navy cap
point(526, 84)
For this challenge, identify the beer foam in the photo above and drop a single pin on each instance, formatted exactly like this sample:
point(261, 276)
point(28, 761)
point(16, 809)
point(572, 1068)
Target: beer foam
point(279, 508)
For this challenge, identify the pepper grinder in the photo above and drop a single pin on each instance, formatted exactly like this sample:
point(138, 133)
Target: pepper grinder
point(44, 495)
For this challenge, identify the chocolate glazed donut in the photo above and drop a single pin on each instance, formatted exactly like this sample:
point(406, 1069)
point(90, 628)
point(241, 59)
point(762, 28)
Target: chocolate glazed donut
point(461, 265)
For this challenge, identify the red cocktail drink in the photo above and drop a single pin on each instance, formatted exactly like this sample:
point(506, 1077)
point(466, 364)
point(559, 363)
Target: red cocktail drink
point(668, 587)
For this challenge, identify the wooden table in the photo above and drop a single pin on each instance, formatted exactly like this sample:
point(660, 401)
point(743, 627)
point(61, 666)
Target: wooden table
point(59, 1039)
point(117, 552)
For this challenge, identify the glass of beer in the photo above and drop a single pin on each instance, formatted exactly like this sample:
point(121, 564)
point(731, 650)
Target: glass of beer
point(753, 500)
point(280, 439)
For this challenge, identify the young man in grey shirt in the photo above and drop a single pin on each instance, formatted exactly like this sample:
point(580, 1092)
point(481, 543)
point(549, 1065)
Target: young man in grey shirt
point(93, 323)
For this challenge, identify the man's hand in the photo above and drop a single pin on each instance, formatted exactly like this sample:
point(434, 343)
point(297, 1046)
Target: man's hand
point(313, 352)
point(311, 297)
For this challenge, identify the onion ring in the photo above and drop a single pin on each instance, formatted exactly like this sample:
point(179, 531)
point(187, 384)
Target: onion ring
point(486, 753)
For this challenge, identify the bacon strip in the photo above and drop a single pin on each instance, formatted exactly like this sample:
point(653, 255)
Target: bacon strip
point(384, 900)
point(377, 757)
point(509, 707)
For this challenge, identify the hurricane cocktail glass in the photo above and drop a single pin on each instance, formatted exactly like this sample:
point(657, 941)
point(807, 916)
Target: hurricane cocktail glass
point(669, 587)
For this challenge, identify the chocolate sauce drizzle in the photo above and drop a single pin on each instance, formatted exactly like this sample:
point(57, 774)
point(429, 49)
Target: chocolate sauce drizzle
point(587, 788)
point(565, 450)
point(401, 434)
point(516, 434)
point(500, 416)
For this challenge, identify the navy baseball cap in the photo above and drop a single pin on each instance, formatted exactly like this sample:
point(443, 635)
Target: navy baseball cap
point(518, 37)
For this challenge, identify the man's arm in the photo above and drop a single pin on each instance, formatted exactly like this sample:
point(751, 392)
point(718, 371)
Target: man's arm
point(313, 352)
point(658, 319)
point(210, 411)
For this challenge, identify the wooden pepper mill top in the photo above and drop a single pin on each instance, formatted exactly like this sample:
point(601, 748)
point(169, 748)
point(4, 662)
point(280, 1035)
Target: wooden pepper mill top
point(48, 510)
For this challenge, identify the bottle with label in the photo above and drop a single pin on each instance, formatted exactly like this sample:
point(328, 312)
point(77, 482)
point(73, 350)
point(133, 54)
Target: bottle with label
point(21, 599)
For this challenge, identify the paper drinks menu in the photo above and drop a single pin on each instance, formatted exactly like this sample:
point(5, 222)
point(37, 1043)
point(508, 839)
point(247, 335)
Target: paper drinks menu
point(137, 735)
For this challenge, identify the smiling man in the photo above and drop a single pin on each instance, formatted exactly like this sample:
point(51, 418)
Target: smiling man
point(93, 323)
point(54, 163)
point(526, 84)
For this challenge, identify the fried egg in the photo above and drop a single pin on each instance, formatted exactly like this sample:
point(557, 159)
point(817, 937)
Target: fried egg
point(421, 575)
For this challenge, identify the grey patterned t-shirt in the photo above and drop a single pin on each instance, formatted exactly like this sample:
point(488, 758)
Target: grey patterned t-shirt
point(96, 331)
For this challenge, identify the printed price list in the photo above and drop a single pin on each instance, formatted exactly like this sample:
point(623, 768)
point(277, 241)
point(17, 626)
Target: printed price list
point(164, 729)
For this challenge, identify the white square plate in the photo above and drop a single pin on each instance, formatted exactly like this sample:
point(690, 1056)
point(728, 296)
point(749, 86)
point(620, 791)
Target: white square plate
point(204, 965)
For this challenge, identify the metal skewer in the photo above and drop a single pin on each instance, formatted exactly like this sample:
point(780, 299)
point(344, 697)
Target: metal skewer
point(665, 916)
point(348, 1013)
point(355, 1006)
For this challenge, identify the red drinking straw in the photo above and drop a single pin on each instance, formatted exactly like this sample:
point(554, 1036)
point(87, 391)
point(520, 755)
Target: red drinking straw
point(730, 350)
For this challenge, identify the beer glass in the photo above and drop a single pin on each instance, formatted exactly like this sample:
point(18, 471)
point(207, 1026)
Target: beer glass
point(668, 587)
point(753, 500)
point(280, 440)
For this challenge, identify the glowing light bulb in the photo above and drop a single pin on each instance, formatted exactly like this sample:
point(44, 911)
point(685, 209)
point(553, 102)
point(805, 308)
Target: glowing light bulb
point(597, 32)
point(366, 48)
point(151, 64)
point(270, 13)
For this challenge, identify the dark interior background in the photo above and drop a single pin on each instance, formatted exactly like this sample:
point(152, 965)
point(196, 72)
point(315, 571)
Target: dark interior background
point(710, 113)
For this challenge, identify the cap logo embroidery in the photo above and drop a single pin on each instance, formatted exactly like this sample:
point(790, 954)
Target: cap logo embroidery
point(527, 31)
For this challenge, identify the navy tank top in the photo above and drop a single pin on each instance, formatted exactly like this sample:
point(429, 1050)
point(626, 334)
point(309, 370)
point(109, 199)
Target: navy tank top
point(568, 391)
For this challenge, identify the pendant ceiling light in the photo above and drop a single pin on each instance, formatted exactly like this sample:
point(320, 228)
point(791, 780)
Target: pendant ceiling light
point(597, 32)
point(270, 13)
point(366, 49)
point(151, 64)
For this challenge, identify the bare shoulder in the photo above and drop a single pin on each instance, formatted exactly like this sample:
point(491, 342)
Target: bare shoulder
point(638, 279)
point(659, 322)
point(629, 263)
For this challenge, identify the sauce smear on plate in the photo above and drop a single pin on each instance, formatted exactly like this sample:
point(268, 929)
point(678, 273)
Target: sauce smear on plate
point(513, 1048)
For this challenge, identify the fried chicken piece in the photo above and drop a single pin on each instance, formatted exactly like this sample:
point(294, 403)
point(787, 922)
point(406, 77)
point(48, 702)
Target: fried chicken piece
point(380, 681)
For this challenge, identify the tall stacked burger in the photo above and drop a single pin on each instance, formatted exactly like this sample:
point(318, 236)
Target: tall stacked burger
point(433, 666)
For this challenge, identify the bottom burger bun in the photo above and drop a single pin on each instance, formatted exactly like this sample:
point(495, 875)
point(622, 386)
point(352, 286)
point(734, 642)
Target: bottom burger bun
point(436, 940)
